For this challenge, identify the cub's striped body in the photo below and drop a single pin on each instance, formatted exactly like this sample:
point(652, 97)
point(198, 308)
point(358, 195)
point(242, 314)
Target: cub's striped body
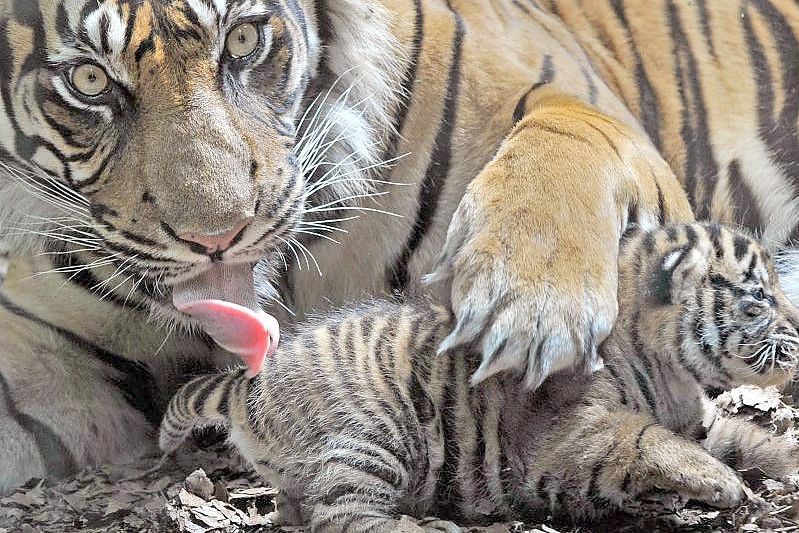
point(522, 138)
point(357, 420)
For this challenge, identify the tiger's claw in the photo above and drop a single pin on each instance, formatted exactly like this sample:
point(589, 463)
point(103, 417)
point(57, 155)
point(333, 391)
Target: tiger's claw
point(534, 323)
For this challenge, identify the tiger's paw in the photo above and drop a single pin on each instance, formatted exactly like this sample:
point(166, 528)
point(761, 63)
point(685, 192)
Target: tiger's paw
point(693, 473)
point(528, 308)
point(716, 485)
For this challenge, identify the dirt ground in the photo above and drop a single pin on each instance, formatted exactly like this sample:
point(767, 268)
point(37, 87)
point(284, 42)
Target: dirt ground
point(202, 491)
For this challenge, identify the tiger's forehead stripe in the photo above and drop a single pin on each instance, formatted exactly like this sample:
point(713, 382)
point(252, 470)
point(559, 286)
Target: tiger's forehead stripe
point(114, 27)
point(177, 16)
point(142, 27)
point(106, 28)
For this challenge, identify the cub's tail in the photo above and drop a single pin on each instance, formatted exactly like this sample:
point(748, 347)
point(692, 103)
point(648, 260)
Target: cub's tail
point(202, 402)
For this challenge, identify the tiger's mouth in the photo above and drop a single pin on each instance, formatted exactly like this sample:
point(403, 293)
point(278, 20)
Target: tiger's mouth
point(223, 301)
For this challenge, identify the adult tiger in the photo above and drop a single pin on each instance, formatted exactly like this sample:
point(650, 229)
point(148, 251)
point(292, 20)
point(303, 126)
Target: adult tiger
point(159, 147)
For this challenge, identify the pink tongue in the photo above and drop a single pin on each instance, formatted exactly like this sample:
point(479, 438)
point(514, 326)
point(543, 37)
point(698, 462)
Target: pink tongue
point(223, 301)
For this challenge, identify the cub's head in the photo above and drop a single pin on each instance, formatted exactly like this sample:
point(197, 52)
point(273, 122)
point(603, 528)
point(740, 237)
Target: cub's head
point(174, 137)
point(710, 295)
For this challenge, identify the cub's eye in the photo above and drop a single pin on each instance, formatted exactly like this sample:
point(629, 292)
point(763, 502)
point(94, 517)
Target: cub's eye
point(759, 295)
point(89, 79)
point(242, 40)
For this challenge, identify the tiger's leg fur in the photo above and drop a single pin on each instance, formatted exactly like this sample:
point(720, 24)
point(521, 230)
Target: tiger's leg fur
point(533, 244)
point(748, 447)
point(21, 459)
point(59, 407)
point(357, 498)
point(40, 438)
point(615, 456)
point(288, 511)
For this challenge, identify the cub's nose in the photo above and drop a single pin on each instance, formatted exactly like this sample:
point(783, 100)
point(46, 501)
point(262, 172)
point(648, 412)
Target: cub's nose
point(219, 242)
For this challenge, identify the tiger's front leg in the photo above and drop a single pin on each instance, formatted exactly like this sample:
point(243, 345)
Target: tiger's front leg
point(61, 410)
point(531, 250)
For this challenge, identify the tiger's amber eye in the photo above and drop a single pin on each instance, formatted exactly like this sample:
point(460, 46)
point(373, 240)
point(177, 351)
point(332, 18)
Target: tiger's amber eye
point(89, 79)
point(242, 40)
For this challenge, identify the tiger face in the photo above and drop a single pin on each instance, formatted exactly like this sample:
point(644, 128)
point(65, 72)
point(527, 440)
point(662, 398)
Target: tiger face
point(717, 300)
point(757, 330)
point(173, 122)
point(182, 140)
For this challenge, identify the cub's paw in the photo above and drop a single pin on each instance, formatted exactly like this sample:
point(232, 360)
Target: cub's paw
point(532, 303)
point(725, 490)
point(703, 478)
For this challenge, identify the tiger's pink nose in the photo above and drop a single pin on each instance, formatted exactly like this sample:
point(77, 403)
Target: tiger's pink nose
point(220, 242)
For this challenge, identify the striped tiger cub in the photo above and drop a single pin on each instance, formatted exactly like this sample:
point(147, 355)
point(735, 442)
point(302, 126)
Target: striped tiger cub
point(357, 420)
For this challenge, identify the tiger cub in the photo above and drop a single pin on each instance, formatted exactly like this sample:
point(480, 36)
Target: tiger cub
point(357, 420)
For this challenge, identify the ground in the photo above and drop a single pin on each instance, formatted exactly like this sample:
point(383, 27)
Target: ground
point(209, 490)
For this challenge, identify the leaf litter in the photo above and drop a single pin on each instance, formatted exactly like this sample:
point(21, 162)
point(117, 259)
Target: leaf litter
point(210, 490)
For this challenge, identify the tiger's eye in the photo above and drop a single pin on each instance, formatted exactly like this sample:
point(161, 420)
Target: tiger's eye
point(242, 40)
point(89, 79)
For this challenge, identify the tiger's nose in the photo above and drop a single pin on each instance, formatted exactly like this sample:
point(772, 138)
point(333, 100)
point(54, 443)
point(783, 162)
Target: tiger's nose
point(219, 242)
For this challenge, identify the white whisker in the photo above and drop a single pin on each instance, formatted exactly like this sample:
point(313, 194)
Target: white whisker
point(121, 269)
point(322, 227)
point(111, 291)
point(282, 258)
point(320, 235)
point(346, 199)
point(281, 304)
point(68, 252)
point(169, 333)
point(307, 254)
point(357, 208)
point(49, 191)
point(133, 288)
point(291, 247)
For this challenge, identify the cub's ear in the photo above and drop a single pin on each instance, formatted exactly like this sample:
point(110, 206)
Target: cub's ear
point(678, 274)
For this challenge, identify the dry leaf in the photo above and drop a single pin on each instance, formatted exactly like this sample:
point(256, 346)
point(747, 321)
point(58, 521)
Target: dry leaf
point(189, 499)
point(31, 498)
point(256, 492)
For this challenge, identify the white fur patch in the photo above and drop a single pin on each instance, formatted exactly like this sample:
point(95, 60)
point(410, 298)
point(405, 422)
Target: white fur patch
point(4, 255)
point(115, 36)
point(205, 14)
point(221, 6)
point(672, 259)
point(345, 129)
